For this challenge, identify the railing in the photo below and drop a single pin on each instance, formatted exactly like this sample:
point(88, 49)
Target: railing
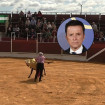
point(39, 36)
point(12, 34)
point(54, 13)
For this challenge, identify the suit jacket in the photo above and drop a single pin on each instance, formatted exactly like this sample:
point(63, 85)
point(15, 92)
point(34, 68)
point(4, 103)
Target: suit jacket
point(84, 50)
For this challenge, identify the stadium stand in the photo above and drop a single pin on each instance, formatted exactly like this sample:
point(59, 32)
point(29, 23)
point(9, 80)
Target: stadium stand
point(92, 18)
point(50, 18)
point(15, 19)
point(21, 44)
point(81, 16)
point(2, 27)
point(59, 18)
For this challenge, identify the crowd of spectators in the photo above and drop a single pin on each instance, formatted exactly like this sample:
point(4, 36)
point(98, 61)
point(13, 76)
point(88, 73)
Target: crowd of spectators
point(98, 35)
point(30, 24)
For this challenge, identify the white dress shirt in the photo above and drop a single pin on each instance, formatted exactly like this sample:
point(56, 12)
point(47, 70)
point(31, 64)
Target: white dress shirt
point(79, 51)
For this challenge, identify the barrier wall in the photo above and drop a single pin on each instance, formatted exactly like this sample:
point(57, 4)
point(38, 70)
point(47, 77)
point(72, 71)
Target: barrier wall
point(29, 46)
point(48, 48)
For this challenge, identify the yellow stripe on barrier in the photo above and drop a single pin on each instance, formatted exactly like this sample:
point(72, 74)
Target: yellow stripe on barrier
point(87, 26)
point(73, 18)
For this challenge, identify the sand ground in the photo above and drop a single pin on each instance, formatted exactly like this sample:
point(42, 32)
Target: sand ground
point(66, 83)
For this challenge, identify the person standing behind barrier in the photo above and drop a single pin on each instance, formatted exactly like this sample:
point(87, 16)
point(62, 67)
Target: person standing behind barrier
point(29, 15)
point(40, 65)
point(94, 26)
point(39, 15)
point(33, 23)
point(9, 30)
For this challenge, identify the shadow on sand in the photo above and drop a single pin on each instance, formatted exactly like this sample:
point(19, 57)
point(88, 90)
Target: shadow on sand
point(29, 81)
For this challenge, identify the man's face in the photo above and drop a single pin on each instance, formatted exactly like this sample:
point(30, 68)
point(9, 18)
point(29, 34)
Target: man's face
point(75, 36)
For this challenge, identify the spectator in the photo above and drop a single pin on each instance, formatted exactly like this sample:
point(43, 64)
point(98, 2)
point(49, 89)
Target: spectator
point(53, 25)
point(94, 26)
point(54, 34)
point(22, 16)
point(26, 33)
point(39, 15)
point(96, 36)
point(48, 35)
point(49, 26)
point(101, 36)
point(16, 29)
point(44, 26)
point(9, 30)
point(38, 26)
point(22, 27)
point(29, 15)
point(33, 23)
point(43, 34)
point(35, 15)
point(27, 23)
point(44, 20)
point(32, 34)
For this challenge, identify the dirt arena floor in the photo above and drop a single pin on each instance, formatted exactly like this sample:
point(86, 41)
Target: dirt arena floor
point(66, 83)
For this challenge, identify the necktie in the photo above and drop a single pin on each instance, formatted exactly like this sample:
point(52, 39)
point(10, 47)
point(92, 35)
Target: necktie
point(74, 53)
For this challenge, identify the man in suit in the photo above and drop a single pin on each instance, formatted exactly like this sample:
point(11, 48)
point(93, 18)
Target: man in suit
point(75, 35)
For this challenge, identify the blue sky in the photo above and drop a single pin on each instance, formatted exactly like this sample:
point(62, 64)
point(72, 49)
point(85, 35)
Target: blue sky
point(97, 6)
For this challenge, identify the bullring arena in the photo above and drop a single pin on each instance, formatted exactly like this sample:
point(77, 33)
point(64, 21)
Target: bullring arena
point(65, 83)
point(69, 79)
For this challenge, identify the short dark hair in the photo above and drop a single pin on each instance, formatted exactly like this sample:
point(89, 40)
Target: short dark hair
point(74, 23)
